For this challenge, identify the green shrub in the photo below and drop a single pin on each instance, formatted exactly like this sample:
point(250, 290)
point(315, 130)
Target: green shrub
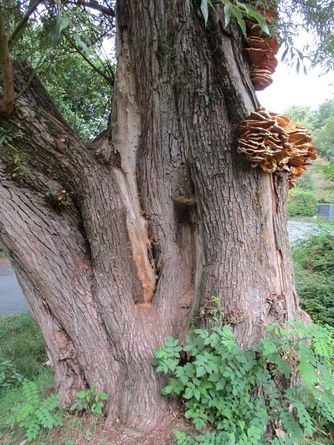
point(306, 181)
point(302, 203)
point(35, 414)
point(314, 274)
point(21, 343)
point(253, 397)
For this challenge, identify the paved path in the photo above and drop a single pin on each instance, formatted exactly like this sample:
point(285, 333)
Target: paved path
point(12, 300)
point(11, 297)
point(300, 230)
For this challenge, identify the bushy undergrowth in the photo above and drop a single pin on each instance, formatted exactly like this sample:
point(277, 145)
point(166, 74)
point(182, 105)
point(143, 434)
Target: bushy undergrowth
point(314, 273)
point(302, 203)
point(277, 392)
point(22, 344)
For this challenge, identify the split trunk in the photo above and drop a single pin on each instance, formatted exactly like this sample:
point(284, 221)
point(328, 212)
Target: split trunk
point(123, 241)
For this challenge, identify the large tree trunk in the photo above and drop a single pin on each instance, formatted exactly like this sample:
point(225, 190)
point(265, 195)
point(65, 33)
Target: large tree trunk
point(119, 243)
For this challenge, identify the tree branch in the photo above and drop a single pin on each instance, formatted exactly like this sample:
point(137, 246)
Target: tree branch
point(95, 5)
point(22, 25)
point(109, 79)
point(7, 103)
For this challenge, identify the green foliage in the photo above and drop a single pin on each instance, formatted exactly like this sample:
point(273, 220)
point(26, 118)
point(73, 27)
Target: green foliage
point(22, 344)
point(327, 170)
point(314, 274)
point(81, 95)
point(64, 45)
point(90, 400)
point(238, 11)
point(302, 115)
point(35, 414)
point(302, 203)
point(306, 181)
point(321, 124)
point(9, 377)
point(324, 137)
point(252, 396)
point(314, 18)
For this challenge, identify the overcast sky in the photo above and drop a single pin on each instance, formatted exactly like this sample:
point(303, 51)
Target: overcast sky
point(290, 88)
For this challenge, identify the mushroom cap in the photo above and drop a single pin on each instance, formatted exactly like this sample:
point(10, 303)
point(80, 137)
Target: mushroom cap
point(261, 58)
point(261, 78)
point(261, 50)
point(274, 143)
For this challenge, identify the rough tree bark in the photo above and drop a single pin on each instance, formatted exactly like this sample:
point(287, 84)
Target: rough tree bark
point(119, 243)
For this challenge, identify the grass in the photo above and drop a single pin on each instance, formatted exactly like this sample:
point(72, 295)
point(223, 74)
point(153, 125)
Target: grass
point(74, 431)
point(21, 343)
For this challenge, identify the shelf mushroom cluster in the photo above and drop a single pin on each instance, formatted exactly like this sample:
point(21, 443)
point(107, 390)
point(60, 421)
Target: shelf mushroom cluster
point(260, 51)
point(274, 143)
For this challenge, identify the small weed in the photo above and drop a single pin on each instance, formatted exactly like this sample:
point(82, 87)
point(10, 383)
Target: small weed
point(35, 413)
point(90, 400)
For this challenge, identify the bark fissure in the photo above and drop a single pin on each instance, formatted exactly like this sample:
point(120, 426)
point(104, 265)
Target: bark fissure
point(7, 99)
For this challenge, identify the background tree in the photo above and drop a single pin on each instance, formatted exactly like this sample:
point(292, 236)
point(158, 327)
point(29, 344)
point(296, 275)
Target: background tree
point(119, 242)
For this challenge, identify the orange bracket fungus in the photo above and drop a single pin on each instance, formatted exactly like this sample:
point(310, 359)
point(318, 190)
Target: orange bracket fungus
point(274, 143)
point(260, 51)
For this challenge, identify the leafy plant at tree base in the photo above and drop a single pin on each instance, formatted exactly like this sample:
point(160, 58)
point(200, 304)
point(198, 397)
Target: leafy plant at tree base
point(279, 391)
point(90, 400)
point(35, 414)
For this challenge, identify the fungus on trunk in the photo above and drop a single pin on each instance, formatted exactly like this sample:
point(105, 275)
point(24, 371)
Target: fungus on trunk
point(260, 51)
point(274, 143)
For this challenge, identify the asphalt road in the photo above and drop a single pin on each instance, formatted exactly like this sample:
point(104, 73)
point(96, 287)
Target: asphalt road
point(11, 297)
point(300, 230)
point(12, 300)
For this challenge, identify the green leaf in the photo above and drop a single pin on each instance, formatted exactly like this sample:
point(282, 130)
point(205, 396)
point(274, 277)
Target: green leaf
point(61, 24)
point(252, 13)
point(188, 394)
point(205, 11)
point(307, 373)
point(200, 371)
point(227, 14)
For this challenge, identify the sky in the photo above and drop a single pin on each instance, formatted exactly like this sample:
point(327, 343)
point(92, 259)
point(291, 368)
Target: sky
point(289, 88)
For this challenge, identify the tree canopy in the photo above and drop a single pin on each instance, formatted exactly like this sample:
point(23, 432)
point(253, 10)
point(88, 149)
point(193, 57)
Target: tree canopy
point(320, 122)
